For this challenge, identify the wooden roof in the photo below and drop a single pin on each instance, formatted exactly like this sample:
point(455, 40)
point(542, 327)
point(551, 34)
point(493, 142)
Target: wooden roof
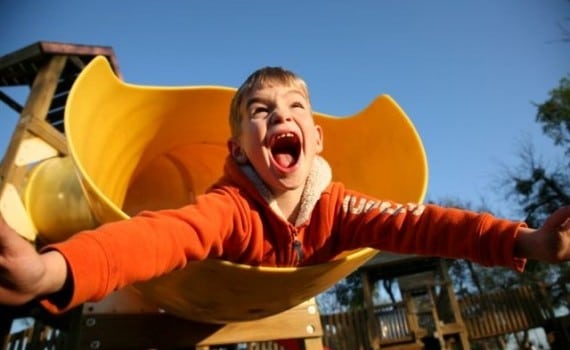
point(390, 265)
point(20, 68)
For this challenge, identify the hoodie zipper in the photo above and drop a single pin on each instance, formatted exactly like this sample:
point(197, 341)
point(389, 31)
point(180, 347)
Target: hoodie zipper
point(297, 247)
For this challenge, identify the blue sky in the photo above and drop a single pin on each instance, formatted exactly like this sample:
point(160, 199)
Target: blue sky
point(466, 72)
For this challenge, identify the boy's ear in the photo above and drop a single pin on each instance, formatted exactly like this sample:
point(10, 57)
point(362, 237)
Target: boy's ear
point(320, 136)
point(236, 151)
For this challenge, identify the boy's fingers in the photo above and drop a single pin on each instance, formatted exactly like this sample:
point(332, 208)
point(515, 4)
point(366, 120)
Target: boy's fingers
point(565, 224)
point(559, 220)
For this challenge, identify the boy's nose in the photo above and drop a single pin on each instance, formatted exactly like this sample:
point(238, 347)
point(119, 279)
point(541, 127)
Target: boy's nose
point(279, 116)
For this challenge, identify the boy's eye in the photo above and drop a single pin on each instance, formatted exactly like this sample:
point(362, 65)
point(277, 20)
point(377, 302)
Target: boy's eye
point(297, 104)
point(259, 111)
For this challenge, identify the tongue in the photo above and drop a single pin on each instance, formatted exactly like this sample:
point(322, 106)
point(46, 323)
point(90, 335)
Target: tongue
point(284, 159)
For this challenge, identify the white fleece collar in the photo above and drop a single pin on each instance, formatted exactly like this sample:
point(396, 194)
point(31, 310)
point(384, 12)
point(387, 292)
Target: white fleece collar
point(319, 178)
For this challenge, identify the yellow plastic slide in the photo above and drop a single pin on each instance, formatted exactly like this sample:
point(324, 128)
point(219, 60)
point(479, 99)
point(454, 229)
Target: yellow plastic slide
point(145, 147)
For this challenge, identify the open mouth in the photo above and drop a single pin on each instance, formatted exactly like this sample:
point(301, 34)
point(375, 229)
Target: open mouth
point(285, 149)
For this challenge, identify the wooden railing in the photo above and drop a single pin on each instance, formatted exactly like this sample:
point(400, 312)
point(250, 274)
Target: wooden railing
point(346, 330)
point(355, 330)
point(484, 316)
point(504, 312)
point(39, 337)
point(393, 324)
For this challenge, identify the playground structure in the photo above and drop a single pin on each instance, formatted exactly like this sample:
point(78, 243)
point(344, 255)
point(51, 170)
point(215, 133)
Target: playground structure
point(119, 138)
point(429, 310)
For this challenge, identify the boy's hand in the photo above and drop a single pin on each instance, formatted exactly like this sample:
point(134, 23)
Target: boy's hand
point(25, 274)
point(550, 243)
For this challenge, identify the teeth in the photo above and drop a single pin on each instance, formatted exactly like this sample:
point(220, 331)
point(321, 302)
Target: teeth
point(288, 134)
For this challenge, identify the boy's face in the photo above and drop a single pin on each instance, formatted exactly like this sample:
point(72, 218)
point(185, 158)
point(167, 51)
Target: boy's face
point(279, 136)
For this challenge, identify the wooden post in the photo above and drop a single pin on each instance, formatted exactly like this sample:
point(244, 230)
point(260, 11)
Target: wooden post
point(31, 124)
point(459, 324)
point(373, 323)
point(313, 344)
point(36, 108)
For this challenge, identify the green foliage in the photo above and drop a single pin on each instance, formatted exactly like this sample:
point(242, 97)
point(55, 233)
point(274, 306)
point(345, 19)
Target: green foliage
point(554, 115)
point(539, 190)
point(345, 294)
point(349, 291)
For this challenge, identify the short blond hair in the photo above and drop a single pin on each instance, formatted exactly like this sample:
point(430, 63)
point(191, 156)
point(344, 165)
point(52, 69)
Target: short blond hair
point(259, 79)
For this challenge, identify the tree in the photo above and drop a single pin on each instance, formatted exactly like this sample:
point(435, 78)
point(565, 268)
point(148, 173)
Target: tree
point(554, 115)
point(539, 190)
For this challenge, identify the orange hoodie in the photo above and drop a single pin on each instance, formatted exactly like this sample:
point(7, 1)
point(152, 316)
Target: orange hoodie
point(238, 221)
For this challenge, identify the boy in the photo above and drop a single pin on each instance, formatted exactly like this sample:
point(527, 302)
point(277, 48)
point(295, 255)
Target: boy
point(275, 205)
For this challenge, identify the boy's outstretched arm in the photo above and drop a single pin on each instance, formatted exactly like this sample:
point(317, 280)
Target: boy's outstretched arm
point(24, 273)
point(550, 243)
